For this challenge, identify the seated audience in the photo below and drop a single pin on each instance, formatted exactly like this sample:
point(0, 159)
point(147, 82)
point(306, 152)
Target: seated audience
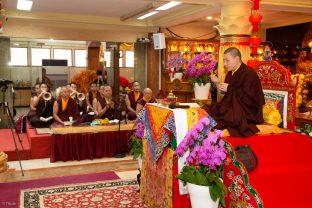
point(132, 99)
point(91, 95)
point(106, 105)
point(241, 107)
point(147, 98)
point(65, 107)
point(44, 108)
point(32, 107)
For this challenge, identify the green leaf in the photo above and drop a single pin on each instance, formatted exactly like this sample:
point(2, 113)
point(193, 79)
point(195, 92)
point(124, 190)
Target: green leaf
point(222, 201)
point(221, 185)
point(201, 179)
point(214, 193)
point(211, 176)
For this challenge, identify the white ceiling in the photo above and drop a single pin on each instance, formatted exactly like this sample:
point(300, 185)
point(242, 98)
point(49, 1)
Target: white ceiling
point(98, 13)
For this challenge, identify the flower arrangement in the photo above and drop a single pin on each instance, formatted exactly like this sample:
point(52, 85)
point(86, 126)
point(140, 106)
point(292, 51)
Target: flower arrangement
point(136, 140)
point(125, 85)
point(307, 130)
point(176, 63)
point(205, 160)
point(200, 67)
point(84, 79)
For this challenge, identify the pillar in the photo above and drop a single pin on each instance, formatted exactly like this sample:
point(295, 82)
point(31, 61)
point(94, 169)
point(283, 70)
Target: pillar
point(235, 29)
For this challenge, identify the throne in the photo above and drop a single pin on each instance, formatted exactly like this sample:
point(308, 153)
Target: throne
point(276, 80)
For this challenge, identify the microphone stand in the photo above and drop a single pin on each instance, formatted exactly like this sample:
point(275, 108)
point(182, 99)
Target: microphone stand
point(118, 143)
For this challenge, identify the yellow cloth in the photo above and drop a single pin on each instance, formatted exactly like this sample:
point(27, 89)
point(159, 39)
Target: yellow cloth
point(264, 129)
point(91, 129)
point(64, 103)
point(107, 100)
point(235, 70)
point(136, 96)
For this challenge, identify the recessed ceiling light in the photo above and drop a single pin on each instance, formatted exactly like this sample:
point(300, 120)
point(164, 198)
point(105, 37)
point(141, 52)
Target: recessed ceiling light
point(24, 5)
point(51, 39)
point(147, 15)
point(168, 5)
point(209, 18)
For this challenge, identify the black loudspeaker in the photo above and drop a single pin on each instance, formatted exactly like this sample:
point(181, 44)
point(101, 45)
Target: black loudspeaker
point(159, 41)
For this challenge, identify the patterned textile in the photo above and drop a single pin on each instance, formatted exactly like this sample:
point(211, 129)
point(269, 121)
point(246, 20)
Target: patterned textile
point(100, 194)
point(156, 178)
point(160, 126)
point(235, 177)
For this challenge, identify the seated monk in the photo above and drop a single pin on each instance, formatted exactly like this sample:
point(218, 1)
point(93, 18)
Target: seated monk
point(84, 109)
point(147, 98)
point(132, 99)
point(65, 107)
point(32, 106)
point(106, 105)
point(44, 108)
point(241, 107)
point(91, 95)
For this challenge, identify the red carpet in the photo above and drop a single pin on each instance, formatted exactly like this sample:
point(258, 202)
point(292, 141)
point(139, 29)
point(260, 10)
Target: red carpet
point(9, 192)
point(283, 175)
point(7, 145)
point(115, 194)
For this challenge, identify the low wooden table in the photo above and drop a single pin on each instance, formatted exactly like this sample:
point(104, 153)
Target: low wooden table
point(302, 119)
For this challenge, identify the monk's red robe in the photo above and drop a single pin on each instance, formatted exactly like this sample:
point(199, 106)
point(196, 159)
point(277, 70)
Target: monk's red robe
point(133, 104)
point(44, 109)
point(241, 107)
point(71, 110)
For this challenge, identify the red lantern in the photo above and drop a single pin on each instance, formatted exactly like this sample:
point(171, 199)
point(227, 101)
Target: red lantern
point(256, 4)
point(255, 19)
point(254, 41)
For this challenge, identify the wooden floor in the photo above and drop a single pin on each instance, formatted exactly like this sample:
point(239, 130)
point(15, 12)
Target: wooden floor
point(13, 175)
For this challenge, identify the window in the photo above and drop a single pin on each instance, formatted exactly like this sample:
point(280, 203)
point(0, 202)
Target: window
point(129, 59)
point(107, 58)
point(64, 54)
point(37, 54)
point(81, 58)
point(19, 56)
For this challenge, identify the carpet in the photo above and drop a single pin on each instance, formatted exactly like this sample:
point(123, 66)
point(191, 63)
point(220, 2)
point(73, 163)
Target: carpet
point(117, 193)
point(9, 192)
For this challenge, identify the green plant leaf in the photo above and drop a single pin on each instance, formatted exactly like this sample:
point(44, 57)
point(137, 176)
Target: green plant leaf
point(201, 179)
point(221, 185)
point(214, 192)
point(222, 201)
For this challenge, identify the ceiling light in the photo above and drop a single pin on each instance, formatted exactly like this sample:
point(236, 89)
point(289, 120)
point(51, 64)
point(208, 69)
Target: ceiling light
point(147, 15)
point(209, 18)
point(168, 5)
point(24, 5)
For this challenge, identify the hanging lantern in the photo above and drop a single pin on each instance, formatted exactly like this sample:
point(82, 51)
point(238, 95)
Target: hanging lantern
point(255, 19)
point(256, 4)
point(254, 41)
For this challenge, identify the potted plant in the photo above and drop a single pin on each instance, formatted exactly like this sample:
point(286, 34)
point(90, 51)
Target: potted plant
point(176, 66)
point(199, 70)
point(204, 164)
point(135, 143)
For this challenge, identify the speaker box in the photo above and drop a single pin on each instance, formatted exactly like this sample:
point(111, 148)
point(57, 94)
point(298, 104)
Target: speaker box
point(159, 41)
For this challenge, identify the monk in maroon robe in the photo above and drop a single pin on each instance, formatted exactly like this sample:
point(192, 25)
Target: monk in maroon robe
point(43, 116)
point(106, 105)
point(241, 107)
point(147, 98)
point(65, 107)
point(91, 95)
point(132, 99)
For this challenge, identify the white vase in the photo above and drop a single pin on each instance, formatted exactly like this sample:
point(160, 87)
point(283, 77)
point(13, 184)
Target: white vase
point(200, 197)
point(202, 91)
point(140, 162)
point(177, 75)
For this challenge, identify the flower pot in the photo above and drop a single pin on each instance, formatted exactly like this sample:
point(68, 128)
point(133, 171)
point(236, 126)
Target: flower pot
point(140, 162)
point(202, 91)
point(200, 197)
point(177, 75)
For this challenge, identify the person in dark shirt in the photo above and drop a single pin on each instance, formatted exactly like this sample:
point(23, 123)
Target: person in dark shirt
point(147, 98)
point(240, 109)
point(132, 98)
